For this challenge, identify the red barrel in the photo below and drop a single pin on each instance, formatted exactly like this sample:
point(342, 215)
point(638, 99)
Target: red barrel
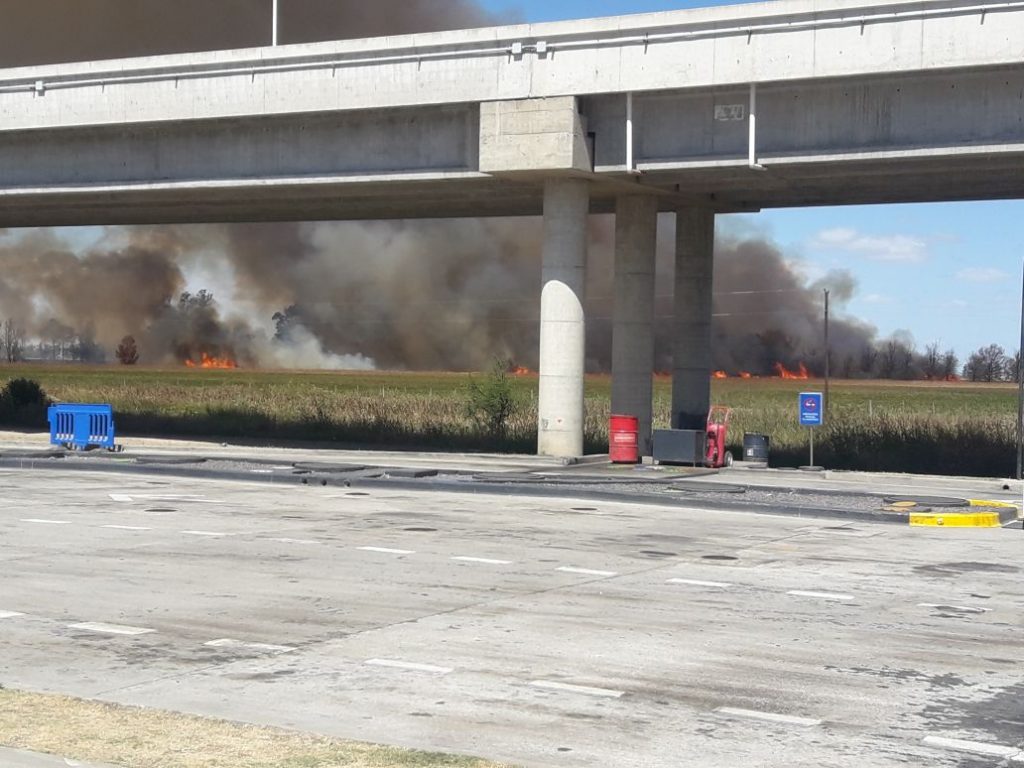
point(624, 439)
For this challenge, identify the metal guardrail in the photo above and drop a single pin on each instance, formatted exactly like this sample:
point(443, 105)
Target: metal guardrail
point(82, 426)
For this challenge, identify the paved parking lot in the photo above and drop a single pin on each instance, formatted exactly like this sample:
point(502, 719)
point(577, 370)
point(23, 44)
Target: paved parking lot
point(545, 632)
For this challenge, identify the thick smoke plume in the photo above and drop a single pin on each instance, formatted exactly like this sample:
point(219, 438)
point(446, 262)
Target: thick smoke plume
point(421, 295)
point(52, 31)
point(443, 295)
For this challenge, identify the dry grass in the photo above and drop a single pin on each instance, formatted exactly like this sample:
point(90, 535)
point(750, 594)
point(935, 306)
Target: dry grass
point(144, 738)
point(927, 427)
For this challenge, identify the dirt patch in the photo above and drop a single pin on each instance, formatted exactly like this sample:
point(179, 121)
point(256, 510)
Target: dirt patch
point(130, 736)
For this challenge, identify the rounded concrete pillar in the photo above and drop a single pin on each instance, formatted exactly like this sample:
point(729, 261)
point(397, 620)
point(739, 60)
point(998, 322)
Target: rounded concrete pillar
point(636, 235)
point(562, 325)
point(691, 352)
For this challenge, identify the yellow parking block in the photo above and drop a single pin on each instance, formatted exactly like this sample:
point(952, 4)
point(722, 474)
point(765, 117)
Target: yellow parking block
point(957, 519)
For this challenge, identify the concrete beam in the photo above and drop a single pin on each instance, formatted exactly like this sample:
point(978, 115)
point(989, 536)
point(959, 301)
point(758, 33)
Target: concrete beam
point(636, 234)
point(533, 136)
point(691, 352)
point(562, 323)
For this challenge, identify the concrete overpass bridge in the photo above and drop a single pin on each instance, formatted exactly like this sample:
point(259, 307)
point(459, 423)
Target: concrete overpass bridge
point(735, 108)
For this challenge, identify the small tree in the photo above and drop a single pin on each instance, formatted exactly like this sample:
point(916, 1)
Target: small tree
point(931, 362)
point(950, 362)
point(127, 352)
point(490, 403)
point(12, 340)
point(986, 364)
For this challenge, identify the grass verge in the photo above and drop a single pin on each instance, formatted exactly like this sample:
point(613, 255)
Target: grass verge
point(145, 738)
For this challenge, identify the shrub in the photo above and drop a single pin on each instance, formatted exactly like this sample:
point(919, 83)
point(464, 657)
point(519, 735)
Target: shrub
point(491, 402)
point(23, 402)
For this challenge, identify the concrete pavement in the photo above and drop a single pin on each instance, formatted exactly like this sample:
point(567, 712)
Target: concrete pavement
point(548, 632)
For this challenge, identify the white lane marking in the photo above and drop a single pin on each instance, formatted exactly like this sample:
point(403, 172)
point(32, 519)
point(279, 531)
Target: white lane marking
point(227, 642)
point(45, 522)
point(768, 717)
point(408, 665)
point(819, 595)
point(697, 583)
point(128, 527)
point(484, 560)
point(388, 550)
point(586, 690)
point(977, 747)
point(586, 571)
point(110, 629)
point(183, 497)
point(9, 614)
point(205, 533)
point(296, 541)
point(963, 608)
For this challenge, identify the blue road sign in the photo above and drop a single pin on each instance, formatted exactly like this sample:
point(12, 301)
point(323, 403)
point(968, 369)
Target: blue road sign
point(810, 409)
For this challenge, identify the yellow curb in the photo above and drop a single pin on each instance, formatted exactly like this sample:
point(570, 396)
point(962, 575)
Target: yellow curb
point(992, 504)
point(957, 519)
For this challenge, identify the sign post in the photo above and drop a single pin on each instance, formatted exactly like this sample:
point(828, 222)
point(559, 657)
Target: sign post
point(810, 410)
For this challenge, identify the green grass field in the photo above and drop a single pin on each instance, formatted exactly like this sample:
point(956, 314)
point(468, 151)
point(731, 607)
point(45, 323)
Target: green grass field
point(948, 428)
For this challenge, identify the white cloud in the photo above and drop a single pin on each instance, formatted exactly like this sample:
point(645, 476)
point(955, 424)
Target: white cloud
point(890, 248)
point(877, 298)
point(982, 275)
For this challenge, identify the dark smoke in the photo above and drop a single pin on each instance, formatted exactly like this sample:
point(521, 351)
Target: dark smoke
point(421, 295)
point(52, 31)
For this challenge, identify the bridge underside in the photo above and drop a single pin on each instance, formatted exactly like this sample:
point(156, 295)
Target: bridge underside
point(974, 174)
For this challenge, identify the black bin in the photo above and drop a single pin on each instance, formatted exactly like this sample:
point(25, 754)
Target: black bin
point(755, 447)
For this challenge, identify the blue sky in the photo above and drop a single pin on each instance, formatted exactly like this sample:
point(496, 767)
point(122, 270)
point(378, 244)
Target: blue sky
point(948, 272)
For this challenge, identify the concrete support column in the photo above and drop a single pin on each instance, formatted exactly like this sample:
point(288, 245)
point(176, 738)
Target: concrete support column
point(691, 351)
point(636, 235)
point(562, 325)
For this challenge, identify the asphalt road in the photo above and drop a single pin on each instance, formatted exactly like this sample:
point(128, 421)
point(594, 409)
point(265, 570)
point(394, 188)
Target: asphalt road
point(543, 632)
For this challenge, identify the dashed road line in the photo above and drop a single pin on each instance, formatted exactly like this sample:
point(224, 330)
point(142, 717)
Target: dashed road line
point(586, 571)
point(698, 583)
point(977, 747)
point(9, 614)
point(388, 550)
point(110, 629)
point(128, 527)
point(586, 690)
point(227, 642)
point(820, 595)
point(297, 541)
point(45, 522)
point(214, 534)
point(960, 608)
point(768, 717)
point(483, 560)
point(408, 665)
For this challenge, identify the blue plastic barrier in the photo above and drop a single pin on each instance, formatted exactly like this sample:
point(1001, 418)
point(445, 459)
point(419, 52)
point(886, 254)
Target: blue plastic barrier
point(82, 426)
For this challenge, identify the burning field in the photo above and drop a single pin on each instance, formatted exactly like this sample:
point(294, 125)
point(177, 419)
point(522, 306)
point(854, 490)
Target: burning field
point(927, 427)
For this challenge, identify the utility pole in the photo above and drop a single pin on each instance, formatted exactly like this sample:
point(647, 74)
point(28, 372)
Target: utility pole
point(828, 356)
point(1020, 391)
point(273, 36)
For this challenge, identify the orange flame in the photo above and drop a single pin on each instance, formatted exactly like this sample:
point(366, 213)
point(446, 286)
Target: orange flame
point(801, 373)
point(746, 375)
point(208, 361)
point(720, 375)
point(521, 370)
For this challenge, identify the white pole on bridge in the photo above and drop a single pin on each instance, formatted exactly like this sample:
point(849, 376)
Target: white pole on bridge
point(273, 36)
